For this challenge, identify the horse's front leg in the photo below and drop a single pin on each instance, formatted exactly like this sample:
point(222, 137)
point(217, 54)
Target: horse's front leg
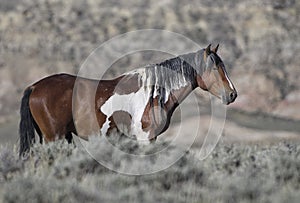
point(152, 138)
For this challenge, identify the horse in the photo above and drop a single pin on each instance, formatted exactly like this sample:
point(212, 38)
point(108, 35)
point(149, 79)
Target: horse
point(142, 100)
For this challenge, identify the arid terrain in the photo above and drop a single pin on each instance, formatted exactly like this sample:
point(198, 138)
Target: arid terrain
point(59, 172)
point(260, 46)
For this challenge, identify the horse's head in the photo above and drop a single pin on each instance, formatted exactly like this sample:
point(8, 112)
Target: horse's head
point(214, 77)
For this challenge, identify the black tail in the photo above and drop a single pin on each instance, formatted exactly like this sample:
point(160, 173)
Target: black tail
point(26, 128)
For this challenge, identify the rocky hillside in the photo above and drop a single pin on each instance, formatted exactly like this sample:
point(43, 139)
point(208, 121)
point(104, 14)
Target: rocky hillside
point(260, 42)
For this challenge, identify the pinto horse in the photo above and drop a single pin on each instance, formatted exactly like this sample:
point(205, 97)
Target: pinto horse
point(142, 100)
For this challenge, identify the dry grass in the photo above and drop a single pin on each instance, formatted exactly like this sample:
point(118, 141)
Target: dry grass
point(59, 172)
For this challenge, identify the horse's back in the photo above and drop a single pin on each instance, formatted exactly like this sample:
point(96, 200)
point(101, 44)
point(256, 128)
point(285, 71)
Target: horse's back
point(55, 80)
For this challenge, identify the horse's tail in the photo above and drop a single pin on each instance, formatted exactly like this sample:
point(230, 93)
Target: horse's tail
point(26, 127)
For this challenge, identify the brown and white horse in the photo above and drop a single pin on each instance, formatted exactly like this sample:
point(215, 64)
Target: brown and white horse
point(142, 100)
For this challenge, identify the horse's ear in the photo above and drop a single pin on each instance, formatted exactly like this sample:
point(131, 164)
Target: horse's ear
point(215, 49)
point(207, 50)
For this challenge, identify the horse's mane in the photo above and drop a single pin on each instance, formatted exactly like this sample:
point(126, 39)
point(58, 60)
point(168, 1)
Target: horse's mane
point(172, 74)
point(179, 68)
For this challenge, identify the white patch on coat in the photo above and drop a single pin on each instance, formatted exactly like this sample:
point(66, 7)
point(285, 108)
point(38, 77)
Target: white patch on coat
point(134, 104)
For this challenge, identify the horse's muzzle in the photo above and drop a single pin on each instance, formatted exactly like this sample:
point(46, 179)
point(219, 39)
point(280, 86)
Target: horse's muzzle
point(229, 98)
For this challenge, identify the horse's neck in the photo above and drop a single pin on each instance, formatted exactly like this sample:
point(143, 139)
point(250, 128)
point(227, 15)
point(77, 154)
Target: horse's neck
point(169, 86)
point(182, 93)
point(163, 81)
point(174, 78)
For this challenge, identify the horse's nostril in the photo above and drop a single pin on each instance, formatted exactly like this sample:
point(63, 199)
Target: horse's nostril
point(232, 95)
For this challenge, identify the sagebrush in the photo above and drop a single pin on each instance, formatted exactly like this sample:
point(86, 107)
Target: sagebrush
point(61, 172)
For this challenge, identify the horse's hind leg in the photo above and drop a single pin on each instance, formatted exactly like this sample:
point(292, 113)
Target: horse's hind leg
point(69, 137)
point(39, 132)
point(48, 129)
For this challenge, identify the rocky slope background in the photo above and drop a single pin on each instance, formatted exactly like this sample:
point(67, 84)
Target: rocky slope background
point(260, 43)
